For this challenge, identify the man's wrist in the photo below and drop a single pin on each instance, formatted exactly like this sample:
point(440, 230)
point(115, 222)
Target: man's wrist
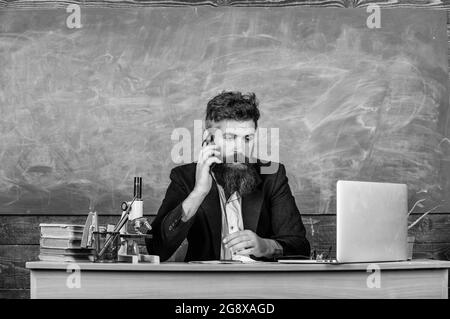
point(198, 194)
point(184, 215)
point(273, 248)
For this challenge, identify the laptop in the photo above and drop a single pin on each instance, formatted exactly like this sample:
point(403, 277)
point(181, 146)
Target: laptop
point(371, 223)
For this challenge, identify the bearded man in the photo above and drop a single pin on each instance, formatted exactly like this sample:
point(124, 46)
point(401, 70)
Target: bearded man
point(226, 205)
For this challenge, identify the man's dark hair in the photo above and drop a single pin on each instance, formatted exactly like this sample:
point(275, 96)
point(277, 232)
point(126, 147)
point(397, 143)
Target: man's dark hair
point(232, 106)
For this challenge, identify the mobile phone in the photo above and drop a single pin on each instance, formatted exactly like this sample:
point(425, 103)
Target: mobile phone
point(209, 139)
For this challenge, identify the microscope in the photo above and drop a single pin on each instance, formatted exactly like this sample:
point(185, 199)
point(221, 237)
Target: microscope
point(135, 228)
point(131, 228)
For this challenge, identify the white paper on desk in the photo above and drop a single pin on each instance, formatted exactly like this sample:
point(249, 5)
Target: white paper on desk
point(215, 262)
point(237, 259)
point(307, 261)
point(244, 259)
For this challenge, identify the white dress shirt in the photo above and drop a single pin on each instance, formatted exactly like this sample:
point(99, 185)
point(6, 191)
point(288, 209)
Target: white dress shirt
point(231, 219)
point(232, 222)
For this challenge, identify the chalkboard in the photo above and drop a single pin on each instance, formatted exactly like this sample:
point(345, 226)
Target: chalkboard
point(84, 110)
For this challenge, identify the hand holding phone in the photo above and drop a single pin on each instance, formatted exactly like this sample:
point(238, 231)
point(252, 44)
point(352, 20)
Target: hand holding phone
point(209, 154)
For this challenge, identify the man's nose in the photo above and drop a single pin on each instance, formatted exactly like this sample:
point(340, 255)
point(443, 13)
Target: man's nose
point(239, 146)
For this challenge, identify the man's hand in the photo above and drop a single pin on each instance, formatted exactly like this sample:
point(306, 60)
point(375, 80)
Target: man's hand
point(138, 226)
point(203, 180)
point(246, 242)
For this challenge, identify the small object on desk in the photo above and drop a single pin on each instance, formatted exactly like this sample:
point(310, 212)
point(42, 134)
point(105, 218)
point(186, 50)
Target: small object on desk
point(140, 258)
point(87, 226)
point(90, 226)
point(132, 259)
point(118, 227)
point(301, 259)
point(129, 246)
point(153, 259)
point(105, 253)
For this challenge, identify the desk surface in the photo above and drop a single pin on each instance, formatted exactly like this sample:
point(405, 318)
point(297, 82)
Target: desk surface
point(407, 279)
point(267, 266)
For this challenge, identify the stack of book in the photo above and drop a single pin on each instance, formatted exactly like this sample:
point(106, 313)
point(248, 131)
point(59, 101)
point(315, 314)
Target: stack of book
point(62, 242)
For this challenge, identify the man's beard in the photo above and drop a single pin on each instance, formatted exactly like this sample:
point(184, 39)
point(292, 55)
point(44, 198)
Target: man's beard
point(240, 178)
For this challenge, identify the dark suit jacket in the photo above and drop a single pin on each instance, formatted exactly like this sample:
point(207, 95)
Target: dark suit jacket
point(270, 211)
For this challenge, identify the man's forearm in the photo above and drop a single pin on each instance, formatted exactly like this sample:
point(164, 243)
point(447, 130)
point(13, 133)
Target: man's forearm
point(175, 225)
point(191, 204)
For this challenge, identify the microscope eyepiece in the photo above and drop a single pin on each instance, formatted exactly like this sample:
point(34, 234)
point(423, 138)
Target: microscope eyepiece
point(137, 192)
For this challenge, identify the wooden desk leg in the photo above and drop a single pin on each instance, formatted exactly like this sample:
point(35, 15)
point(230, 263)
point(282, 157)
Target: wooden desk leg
point(33, 294)
point(446, 287)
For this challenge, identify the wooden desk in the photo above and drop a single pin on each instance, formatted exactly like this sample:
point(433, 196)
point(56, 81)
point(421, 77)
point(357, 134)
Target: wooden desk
point(412, 279)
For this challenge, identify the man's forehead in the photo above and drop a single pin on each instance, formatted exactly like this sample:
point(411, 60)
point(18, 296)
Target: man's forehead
point(235, 127)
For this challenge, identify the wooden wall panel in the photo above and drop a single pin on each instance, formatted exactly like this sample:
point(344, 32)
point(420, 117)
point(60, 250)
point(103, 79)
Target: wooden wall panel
point(14, 293)
point(24, 230)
